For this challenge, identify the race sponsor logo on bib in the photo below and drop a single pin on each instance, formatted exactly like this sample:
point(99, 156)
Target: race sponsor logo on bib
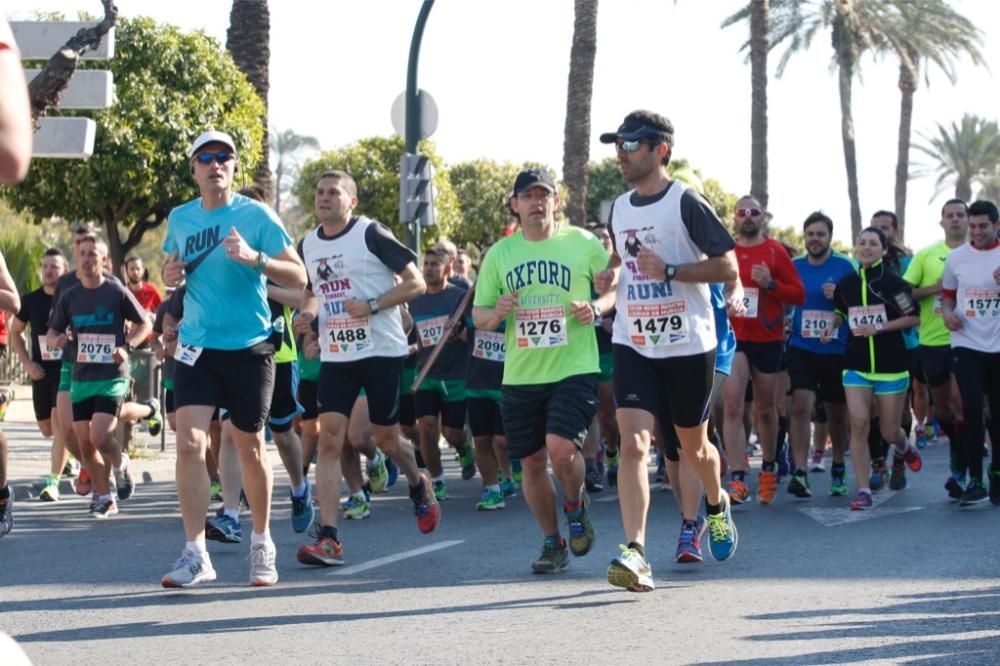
point(873, 315)
point(95, 348)
point(540, 328)
point(489, 345)
point(48, 353)
point(187, 354)
point(815, 322)
point(658, 324)
point(751, 297)
point(431, 330)
point(938, 308)
point(347, 334)
point(980, 303)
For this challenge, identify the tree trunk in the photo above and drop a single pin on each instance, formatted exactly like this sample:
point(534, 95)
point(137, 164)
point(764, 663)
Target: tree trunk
point(248, 40)
point(963, 189)
point(759, 43)
point(907, 87)
point(576, 143)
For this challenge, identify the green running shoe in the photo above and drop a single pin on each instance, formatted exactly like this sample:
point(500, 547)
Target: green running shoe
point(491, 501)
point(552, 559)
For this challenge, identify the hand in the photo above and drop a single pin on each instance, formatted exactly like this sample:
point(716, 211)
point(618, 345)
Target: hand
point(237, 248)
point(120, 355)
point(311, 349)
point(173, 270)
point(60, 341)
point(761, 274)
point(582, 311)
point(357, 308)
point(651, 264)
point(35, 371)
point(864, 331)
point(826, 336)
point(828, 289)
point(604, 281)
point(952, 321)
point(160, 352)
point(505, 304)
point(302, 323)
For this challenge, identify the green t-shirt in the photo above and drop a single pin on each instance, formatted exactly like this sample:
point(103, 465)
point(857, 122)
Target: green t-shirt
point(926, 269)
point(545, 342)
point(308, 367)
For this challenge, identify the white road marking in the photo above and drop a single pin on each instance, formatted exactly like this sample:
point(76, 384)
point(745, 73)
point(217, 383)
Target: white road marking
point(389, 559)
point(834, 517)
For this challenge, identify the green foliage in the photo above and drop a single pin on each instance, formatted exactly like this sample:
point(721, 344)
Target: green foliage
point(606, 182)
point(374, 164)
point(963, 153)
point(170, 87)
point(22, 244)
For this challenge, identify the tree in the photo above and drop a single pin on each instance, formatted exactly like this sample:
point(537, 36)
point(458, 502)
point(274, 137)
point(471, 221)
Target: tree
point(286, 146)
point(481, 188)
point(170, 87)
point(374, 164)
point(576, 144)
point(967, 152)
point(248, 40)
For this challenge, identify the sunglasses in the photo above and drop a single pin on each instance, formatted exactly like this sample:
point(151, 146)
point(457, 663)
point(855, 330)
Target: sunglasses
point(221, 157)
point(628, 146)
point(748, 212)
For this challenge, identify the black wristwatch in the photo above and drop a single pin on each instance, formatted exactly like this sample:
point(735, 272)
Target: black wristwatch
point(129, 347)
point(670, 272)
point(373, 305)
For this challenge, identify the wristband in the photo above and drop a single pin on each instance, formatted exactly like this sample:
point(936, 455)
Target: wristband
point(373, 305)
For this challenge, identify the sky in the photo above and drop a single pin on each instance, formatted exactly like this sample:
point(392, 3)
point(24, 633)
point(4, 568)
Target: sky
point(498, 71)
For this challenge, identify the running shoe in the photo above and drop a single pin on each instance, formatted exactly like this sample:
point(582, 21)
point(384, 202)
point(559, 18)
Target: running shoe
point(508, 488)
point(303, 512)
point(838, 486)
point(440, 491)
point(974, 493)
point(738, 491)
point(921, 438)
point(631, 571)
point(723, 536)
point(83, 486)
point(191, 569)
point(767, 487)
point(689, 542)
point(467, 461)
point(798, 485)
point(862, 502)
point(154, 422)
point(783, 464)
point(103, 507)
point(378, 473)
point(215, 490)
point(994, 475)
point(426, 508)
point(611, 462)
point(516, 471)
point(954, 486)
point(661, 468)
point(912, 458)
point(71, 468)
point(817, 462)
point(7, 513)
point(123, 479)
point(359, 510)
point(491, 501)
point(263, 572)
point(326, 552)
point(552, 559)
point(50, 493)
point(897, 480)
point(244, 502)
point(392, 471)
point(581, 530)
point(879, 471)
point(224, 529)
point(593, 478)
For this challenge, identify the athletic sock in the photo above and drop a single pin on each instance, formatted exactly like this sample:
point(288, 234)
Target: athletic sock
point(767, 466)
point(738, 475)
point(329, 531)
point(256, 538)
point(197, 547)
point(712, 509)
point(495, 488)
point(5, 492)
point(636, 546)
point(360, 496)
point(299, 491)
point(232, 513)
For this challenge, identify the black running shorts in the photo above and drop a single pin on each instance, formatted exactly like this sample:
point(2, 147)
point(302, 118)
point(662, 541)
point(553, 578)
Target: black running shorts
point(820, 373)
point(647, 383)
point(380, 377)
point(532, 411)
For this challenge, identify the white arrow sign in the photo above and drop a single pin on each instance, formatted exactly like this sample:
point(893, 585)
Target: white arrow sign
point(834, 517)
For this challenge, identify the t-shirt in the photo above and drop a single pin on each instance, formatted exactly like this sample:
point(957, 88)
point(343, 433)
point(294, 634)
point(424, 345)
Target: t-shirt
point(545, 343)
point(765, 308)
point(35, 309)
point(926, 269)
point(725, 348)
point(281, 320)
point(97, 318)
point(968, 279)
point(63, 284)
point(148, 296)
point(430, 312)
point(487, 351)
point(226, 302)
point(816, 314)
point(169, 363)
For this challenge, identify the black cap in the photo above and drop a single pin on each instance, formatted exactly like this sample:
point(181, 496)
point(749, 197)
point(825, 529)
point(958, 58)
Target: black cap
point(531, 178)
point(642, 125)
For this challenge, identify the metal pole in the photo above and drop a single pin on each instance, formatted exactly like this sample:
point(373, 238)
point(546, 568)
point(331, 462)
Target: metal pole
point(413, 104)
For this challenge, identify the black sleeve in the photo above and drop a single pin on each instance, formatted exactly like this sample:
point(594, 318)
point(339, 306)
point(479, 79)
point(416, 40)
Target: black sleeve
point(302, 256)
point(390, 251)
point(58, 318)
point(704, 226)
point(158, 320)
point(611, 228)
point(130, 307)
point(175, 306)
point(23, 313)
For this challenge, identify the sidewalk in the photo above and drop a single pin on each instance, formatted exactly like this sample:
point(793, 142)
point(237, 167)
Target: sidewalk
point(28, 453)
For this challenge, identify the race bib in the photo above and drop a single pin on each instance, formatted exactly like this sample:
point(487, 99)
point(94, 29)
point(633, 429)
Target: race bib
point(658, 324)
point(815, 322)
point(540, 328)
point(938, 308)
point(751, 297)
point(873, 315)
point(95, 348)
point(980, 303)
point(187, 354)
point(431, 330)
point(489, 345)
point(346, 334)
point(48, 354)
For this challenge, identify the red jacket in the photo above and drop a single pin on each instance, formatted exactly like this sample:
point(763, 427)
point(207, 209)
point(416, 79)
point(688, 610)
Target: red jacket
point(766, 306)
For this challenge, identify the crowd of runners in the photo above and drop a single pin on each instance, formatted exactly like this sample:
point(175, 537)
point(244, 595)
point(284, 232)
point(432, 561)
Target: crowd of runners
point(583, 354)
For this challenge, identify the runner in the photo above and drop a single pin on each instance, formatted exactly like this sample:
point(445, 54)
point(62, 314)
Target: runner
point(815, 368)
point(770, 283)
point(538, 283)
point(9, 302)
point(877, 306)
point(138, 283)
point(96, 311)
point(669, 245)
point(352, 298)
point(225, 246)
point(43, 365)
point(970, 300)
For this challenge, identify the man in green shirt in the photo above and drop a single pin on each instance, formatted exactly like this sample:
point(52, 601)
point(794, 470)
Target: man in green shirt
point(539, 281)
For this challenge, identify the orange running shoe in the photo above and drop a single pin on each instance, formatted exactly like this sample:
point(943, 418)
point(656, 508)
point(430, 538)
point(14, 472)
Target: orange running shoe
point(427, 510)
point(767, 487)
point(325, 552)
point(83, 485)
point(739, 493)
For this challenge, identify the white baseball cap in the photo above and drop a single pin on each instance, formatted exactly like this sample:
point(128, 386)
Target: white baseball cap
point(212, 136)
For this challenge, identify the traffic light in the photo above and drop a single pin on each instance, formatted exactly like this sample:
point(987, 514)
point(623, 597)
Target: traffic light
point(416, 191)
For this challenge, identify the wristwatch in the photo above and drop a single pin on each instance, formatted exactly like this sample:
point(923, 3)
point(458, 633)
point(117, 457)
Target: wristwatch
point(373, 305)
point(670, 272)
point(596, 309)
point(129, 347)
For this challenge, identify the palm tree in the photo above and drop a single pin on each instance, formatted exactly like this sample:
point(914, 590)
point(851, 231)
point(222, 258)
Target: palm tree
point(932, 33)
point(285, 146)
point(968, 152)
point(576, 143)
point(248, 40)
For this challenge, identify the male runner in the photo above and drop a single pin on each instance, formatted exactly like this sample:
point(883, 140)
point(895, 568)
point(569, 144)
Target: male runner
point(9, 302)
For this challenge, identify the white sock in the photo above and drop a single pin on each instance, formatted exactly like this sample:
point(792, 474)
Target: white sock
point(259, 538)
point(197, 547)
point(232, 513)
point(125, 462)
point(495, 488)
point(300, 490)
point(439, 478)
point(360, 496)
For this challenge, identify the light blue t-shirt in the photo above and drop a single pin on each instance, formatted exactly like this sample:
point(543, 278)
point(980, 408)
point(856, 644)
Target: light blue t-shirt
point(725, 348)
point(225, 306)
point(836, 267)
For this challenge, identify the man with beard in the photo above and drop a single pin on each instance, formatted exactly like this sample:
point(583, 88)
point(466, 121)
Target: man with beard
point(144, 292)
point(815, 368)
point(770, 283)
